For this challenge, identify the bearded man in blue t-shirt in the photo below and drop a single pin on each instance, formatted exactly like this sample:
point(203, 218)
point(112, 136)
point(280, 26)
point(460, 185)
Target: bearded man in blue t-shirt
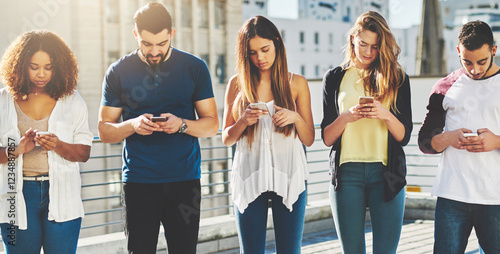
point(157, 90)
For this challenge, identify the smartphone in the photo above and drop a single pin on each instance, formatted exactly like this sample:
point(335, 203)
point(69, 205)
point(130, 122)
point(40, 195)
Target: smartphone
point(365, 99)
point(470, 134)
point(158, 119)
point(40, 133)
point(261, 106)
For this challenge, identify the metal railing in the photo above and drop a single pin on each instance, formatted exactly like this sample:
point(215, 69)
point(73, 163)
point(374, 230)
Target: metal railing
point(103, 207)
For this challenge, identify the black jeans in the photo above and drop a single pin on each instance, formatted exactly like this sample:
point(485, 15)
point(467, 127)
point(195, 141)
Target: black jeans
point(176, 205)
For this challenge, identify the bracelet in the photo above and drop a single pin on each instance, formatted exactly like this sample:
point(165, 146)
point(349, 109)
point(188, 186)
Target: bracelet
point(7, 153)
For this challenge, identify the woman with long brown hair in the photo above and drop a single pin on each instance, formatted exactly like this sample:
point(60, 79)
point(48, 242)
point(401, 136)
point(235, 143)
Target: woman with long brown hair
point(44, 133)
point(367, 134)
point(268, 114)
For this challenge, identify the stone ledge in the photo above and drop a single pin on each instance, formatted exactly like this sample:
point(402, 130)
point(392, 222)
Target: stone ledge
point(219, 233)
point(216, 233)
point(419, 206)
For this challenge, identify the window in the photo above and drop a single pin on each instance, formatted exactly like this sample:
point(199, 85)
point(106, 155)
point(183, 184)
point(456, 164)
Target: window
point(303, 70)
point(301, 37)
point(330, 39)
point(203, 14)
point(347, 18)
point(283, 35)
point(186, 20)
point(132, 7)
point(316, 38)
point(220, 15)
point(112, 11)
point(220, 68)
point(316, 70)
point(261, 4)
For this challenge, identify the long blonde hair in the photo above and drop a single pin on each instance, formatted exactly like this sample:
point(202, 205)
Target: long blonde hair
point(248, 76)
point(384, 76)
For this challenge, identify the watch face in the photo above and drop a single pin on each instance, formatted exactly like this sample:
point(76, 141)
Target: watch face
point(323, 9)
point(183, 127)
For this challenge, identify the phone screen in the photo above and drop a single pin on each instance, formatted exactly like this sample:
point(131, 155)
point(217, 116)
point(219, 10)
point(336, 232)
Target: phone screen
point(470, 134)
point(261, 106)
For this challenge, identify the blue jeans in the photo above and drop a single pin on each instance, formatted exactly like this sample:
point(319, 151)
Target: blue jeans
point(454, 221)
point(361, 185)
point(55, 237)
point(288, 226)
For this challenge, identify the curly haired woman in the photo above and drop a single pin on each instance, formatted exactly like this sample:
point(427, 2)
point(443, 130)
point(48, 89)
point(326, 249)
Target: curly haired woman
point(44, 133)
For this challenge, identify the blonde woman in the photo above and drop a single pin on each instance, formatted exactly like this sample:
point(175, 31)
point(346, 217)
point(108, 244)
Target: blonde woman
point(367, 159)
point(269, 163)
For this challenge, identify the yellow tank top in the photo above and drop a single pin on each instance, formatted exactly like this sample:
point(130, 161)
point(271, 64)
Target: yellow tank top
point(364, 140)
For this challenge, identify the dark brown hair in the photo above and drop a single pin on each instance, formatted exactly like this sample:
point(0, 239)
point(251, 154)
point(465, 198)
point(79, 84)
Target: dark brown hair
point(17, 57)
point(154, 18)
point(475, 34)
point(249, 75)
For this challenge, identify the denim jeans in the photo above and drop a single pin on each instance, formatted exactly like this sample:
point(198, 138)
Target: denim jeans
point(453, 225)
point(361, 185)
point(55, 237)
point(176, 205)
point(288, 226)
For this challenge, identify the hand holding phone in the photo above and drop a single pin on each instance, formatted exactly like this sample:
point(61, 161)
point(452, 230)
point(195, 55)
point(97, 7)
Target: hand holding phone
point(260, 106)
point(365, 100)
point(155, 119)
point(466, 135)
point(41, 133)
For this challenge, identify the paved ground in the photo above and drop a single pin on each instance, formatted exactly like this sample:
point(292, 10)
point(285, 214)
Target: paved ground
point(417, 238)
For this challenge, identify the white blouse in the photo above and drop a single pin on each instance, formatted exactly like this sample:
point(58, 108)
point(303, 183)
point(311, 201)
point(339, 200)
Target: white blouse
point(69, 121)
point(273, 163)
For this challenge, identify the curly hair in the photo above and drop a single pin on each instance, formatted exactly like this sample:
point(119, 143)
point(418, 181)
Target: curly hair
point(475, 34)
point(17, 57)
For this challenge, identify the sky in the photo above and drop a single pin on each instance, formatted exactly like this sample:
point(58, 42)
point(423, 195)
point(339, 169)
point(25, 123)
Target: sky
point(403, 13)
point(288, 9)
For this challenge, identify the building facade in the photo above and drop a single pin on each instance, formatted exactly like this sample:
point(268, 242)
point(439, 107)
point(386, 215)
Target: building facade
point(316, 39)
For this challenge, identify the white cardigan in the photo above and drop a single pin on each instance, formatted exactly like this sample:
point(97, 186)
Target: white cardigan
point(69, 121)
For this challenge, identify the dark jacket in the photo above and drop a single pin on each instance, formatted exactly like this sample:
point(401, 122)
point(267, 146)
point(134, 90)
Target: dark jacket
point(395, 171)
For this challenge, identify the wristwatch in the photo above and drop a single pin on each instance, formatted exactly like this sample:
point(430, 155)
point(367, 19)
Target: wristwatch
point(183, 127)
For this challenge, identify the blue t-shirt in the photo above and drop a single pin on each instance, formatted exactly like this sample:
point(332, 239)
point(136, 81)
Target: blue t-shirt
point(174, 87)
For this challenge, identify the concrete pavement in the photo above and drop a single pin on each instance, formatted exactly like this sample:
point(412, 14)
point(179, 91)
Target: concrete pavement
point(417, 238)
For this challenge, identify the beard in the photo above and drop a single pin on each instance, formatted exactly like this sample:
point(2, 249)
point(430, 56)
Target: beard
point(484, 74)
point(157, 63)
